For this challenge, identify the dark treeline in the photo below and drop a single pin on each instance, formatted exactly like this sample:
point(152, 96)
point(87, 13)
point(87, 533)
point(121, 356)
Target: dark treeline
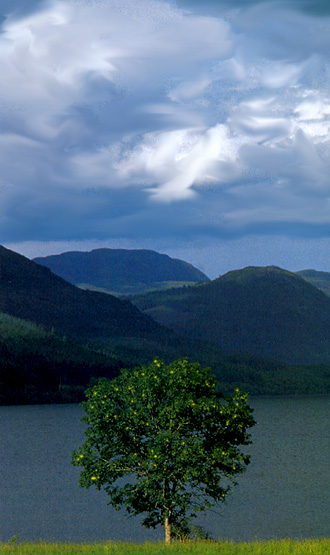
point(40, 367)
point(51, 370)
point(264, 377)
point(37, 366)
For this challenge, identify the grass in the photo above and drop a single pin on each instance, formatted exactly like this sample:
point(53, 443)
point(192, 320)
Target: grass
point(272, 547)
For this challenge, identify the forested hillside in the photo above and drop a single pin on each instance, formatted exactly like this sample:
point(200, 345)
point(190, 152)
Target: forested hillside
point(264, 330)
point(32, 292)
point(267, 312)
point(39, 366)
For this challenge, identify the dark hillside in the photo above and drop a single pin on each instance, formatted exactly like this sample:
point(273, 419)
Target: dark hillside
point(266, 312)
point(121, 271)
point(32, 292)
point(321, 280)
point(38, 366)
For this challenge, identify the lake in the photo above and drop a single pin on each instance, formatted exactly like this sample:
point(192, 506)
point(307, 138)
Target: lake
point(285, 491)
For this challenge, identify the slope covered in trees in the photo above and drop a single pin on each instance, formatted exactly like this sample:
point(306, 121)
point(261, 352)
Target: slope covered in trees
point(39, 366)
point(266, 312)
point(32, 292)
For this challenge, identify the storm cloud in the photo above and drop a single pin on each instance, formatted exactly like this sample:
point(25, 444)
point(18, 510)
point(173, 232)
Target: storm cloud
point(122, 118)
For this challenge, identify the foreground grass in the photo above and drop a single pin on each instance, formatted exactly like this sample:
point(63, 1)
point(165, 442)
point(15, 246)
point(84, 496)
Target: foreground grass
point(280, 547)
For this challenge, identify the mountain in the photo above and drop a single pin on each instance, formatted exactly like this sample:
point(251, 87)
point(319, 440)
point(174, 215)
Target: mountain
point(266, 312)
point(321, 280)
point(32, 292)
point(70, 336)
point(121, 271)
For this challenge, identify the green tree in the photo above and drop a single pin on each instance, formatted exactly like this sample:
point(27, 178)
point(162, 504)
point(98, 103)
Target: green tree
point(167, 428)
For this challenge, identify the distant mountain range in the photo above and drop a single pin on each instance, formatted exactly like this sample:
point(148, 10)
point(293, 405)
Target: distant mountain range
point(267, 312)
point(258, 328)
point(120, 271)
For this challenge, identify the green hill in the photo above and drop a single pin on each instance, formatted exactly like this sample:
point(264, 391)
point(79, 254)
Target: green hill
point(121, 271)
point(266, 312)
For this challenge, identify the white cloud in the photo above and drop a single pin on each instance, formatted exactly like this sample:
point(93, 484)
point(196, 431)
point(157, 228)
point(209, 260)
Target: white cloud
point(138, 95)
point(180, 159)
point(189, 89)
point(261, 118)
point(285, 74)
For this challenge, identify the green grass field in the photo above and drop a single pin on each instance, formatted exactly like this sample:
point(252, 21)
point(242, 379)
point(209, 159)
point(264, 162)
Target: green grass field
point(280, 547)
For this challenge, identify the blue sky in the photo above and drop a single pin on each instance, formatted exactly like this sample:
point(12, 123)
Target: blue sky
point(198, 129)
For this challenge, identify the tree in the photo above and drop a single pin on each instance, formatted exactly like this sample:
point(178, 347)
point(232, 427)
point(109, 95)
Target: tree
point(169, 430)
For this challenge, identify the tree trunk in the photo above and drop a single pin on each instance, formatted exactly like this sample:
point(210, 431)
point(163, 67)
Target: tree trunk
point(168, 530)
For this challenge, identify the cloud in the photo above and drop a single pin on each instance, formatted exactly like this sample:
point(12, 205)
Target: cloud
point(129, 117)
point(178, 160)
point(285, 74)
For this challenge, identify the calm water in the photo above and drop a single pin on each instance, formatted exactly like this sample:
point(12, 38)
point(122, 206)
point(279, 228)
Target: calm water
point(284, 493)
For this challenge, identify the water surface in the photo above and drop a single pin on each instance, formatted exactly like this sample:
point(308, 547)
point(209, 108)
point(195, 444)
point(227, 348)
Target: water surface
point(284, 493)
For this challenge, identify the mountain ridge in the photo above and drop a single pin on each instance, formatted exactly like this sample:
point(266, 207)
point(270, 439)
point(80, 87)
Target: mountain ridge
point(121, 271)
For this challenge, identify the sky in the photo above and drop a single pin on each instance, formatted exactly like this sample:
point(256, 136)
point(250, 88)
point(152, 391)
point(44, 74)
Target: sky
point(197, 128)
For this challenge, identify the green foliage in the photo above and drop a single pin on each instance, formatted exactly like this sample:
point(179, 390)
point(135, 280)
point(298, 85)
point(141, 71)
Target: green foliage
point(11, 326)
point(169, 430)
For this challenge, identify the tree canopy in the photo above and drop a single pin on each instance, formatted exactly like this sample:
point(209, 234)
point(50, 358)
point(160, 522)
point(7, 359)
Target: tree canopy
point(171, 434)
